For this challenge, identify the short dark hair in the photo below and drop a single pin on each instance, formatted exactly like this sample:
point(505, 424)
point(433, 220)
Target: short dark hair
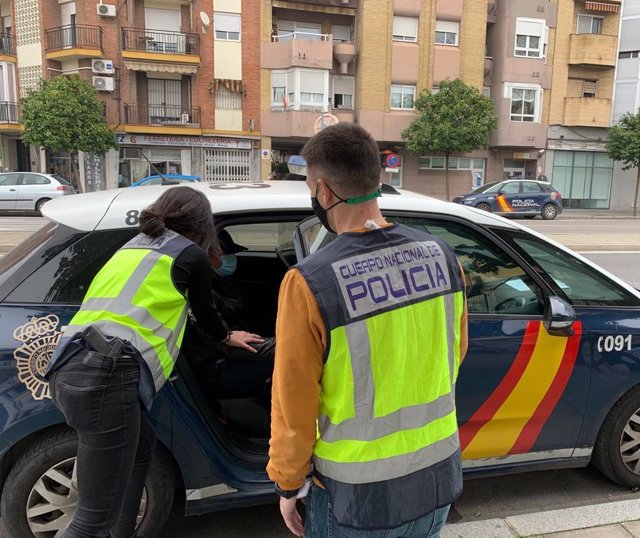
point(347, 156)
point(186, 211)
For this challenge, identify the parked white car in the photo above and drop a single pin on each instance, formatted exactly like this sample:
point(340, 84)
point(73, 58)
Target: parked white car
point(29, 191)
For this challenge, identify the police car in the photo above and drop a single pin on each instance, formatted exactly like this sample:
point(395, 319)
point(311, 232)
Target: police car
point(551, 379)
point(515, 197)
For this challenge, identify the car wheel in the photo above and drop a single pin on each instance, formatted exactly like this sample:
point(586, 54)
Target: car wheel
point(39, 497)
point(40, 203)
point(549, 212)
point(617, 450)
point(484, 207)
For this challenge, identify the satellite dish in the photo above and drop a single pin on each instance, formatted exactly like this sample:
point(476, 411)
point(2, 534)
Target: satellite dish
point(204, 18)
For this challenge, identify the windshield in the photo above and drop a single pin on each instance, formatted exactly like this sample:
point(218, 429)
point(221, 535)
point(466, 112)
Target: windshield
point(485, 187)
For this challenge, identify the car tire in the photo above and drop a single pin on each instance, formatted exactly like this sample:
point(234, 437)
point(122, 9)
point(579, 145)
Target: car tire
point(549, 212)
point(613, 443)
point(40, 203)
point(484, 207)
point(53, 454)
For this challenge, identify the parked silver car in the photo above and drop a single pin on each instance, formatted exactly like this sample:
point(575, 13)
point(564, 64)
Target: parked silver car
point(28, 191)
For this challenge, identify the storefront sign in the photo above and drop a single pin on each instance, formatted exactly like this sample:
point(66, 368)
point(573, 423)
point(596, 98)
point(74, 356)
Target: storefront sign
point(169, 140)
point(93, 176)
point(521, 155)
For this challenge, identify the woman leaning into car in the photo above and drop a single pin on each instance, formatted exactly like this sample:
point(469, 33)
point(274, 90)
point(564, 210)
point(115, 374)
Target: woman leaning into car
point(120, 348)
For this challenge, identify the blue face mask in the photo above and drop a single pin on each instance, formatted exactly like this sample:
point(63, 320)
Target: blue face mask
point(228, 265)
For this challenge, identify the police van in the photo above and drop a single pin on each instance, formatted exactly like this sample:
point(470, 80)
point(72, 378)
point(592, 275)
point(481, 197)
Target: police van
point(551, 379)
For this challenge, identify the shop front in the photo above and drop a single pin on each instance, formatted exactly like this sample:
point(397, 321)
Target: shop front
point(212, 159)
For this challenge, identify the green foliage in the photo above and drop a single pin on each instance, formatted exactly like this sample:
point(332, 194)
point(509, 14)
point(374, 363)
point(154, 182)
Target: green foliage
point(456, 119)
point(64, 113)
point(624, 145)
point(624, 141)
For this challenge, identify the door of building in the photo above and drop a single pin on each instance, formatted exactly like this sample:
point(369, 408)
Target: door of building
point(165, 101)
point(227, 165)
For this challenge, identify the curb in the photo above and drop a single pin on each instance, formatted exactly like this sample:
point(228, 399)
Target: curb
point(541, 523)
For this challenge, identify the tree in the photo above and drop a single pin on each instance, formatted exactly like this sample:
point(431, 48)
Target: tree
point(64, 113)
point(624, 145)
point(458, 118)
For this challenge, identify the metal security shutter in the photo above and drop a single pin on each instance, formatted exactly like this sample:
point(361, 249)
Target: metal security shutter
point(227, 165)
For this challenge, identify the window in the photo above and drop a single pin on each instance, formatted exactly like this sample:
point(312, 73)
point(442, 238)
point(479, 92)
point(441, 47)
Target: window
point(341, 34)
point(486, 91)
point(628, 54)
point(525, 102)
point(529, 37)
point(7, 180)
point(227, 26)
point(35, 179)
point(512, 187)
point(583, 285)
point(589, 88)
point(405, 29)
point(447, 32)
point(300, 89)
point(402, 97)
point(583, 178)
point(228, 100)
point(496, 284)
point(435, 89)
point(589, 24)
point(455, 163)
point(342, 92)
point(531, 187)
point(288, 30)
point(263, 236)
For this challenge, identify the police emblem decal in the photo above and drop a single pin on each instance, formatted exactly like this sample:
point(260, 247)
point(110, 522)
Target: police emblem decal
point(39, 339)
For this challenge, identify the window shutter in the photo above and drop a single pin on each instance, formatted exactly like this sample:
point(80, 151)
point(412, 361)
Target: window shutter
point(343, 85)
point(162, 19)
point(447, 26)
point(530, 27)
point(312, 82)
point(405, 26)
point(588, 86)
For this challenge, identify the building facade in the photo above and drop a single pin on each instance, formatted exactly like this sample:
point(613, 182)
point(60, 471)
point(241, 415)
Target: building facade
point(179, 81)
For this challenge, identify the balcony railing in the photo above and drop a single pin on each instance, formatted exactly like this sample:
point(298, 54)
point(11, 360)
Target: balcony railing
point(9, 112)
point(309, 36)
point(74, 36)
point(158, 41)
point(8, 44)
point(162, 115)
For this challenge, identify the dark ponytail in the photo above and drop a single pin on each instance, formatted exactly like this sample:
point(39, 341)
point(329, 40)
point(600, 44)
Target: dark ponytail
point(186, 211)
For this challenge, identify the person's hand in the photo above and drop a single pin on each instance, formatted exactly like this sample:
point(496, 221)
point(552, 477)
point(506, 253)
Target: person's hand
point(243, 339)
point(291, 517)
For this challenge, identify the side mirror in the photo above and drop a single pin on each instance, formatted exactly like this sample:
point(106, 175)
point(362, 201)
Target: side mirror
point(558, 317)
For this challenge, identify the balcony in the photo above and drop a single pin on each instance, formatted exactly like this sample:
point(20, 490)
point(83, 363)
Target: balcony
point(163, 116)
point(587, 112)
point(492, 11)
point(488, 68)
point(73, 42)
point(593, 50)
point(298, 49)
point(160, 46)
point(7, 48)
point(344, 54)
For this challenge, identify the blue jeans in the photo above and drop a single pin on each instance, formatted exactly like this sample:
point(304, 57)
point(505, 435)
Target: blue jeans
point(320, 523)
point(116, 443)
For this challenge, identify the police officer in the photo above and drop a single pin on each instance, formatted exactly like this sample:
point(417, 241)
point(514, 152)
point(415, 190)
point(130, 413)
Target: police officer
point(371, 331)
point(120, 348)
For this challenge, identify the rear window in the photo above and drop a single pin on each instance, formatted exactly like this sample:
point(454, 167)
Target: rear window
point(61, 179)
point(65, 269)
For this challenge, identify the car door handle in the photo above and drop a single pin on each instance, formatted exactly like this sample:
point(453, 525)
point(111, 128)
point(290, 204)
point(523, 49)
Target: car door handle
point(13, 190)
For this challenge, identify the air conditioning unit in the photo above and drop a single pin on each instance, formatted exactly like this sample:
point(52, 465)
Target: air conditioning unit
point(130, 153)
point(104, 84)
point(102, 67)
point(106, 10)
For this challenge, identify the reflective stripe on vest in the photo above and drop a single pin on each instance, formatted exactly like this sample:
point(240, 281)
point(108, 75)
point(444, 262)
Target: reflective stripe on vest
point(133, 297)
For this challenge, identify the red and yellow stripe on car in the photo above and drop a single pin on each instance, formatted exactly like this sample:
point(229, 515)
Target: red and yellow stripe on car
point(503, 204)
point(510, 420)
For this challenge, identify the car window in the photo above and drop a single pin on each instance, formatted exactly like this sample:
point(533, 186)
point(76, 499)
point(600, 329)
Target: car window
point(61, 179)
point(9, 179)
point(34, 179)
point(531, 187)
point(65, 277)
point(496, 284)
point(485, 187)
point(495, 187)
point(510, 188)
point(582, 284)
point(263, 236)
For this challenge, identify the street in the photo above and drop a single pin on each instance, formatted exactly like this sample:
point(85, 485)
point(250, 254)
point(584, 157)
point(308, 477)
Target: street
point(483, 498)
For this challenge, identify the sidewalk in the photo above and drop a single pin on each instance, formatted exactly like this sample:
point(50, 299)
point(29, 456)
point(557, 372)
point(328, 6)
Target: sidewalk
point(607, 520)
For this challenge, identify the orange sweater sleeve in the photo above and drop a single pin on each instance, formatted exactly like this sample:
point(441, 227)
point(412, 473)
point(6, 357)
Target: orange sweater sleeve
point(300, 343)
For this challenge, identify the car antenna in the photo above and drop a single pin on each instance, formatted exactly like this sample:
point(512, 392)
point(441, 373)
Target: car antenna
point(165, 181)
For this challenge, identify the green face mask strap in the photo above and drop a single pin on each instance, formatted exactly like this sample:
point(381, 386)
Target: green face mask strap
point(365, 198)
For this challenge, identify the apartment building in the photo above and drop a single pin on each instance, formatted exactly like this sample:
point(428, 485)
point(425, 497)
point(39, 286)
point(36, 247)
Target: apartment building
point(179, 80)
point(626, 97)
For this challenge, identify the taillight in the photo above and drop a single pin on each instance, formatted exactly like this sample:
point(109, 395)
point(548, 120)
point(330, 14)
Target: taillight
point(63, 188)
point(555, 196)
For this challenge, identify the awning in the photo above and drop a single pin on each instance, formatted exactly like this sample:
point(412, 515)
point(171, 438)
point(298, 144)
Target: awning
point(163, 67)
point(602, 6)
